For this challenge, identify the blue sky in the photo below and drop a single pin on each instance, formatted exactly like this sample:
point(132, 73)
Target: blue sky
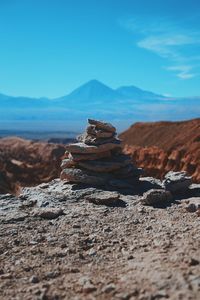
point(49, 47)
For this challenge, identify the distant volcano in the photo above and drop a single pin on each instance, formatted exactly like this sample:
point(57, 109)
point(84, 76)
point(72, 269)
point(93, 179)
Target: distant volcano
point(94, 99)
point(95, 90)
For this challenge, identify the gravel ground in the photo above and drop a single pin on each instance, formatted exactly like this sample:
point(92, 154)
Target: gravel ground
point(54, 244)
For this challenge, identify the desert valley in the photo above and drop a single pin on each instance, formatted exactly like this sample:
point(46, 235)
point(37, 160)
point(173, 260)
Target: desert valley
point(156, 147)
point(107, 229)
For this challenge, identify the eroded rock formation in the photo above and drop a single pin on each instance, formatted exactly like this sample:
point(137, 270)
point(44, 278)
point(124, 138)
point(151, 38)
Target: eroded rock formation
point(164, 146)
point(27, 163)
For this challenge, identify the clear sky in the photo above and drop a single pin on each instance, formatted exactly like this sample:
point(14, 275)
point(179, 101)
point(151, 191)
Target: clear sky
point(50, 47)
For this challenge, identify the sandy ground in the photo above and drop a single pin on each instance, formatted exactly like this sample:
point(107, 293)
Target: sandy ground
point(88, 251)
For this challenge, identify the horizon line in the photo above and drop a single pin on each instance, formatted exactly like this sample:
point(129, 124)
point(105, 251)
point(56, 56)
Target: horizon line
point(102, 83)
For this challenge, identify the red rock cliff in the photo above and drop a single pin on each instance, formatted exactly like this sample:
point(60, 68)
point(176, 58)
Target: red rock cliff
point(27, 163)
point(162, 146)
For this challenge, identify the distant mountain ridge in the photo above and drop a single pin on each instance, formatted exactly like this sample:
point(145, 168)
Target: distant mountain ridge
point(95, 90)
point(132, 91)
point(123, 105)
point(92, 90)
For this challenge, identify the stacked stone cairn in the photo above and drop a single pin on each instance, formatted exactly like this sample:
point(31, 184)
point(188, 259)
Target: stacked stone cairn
point(97, 159)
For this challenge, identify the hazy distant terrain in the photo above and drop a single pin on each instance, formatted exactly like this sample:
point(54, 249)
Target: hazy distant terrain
point(122, 106)
point(59, 136)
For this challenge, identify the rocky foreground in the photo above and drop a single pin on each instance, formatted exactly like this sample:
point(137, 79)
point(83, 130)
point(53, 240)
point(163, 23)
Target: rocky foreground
point(57, 243)
point(101, 231)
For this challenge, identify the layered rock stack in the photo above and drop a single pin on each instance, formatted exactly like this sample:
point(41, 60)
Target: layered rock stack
point(97, 159)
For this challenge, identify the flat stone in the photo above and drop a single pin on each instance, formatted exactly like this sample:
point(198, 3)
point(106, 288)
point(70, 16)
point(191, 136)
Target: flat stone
point(106, 198)
point(100, 166)
point(151, 183)
point(194, 190)
point(156, 196)
point(91, 140)
point(67, 163)
point(83, 148)
point(91, 129)
point(105, 165)
point(93, 156)
point(47, 213)
point(102, 125)
point(176, 182)
point(80, 176)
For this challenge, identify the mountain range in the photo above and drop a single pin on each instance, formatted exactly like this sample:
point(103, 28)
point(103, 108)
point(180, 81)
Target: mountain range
point(123, 106)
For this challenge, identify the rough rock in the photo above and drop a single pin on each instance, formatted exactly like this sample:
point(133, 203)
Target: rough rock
point(176, 182)
point(82, 148)
point(67, 163)
point(97, 166)
point(81, 157)
point(151, 183)
point(13, 217)
point(102, 125)
point(48, 213)
point(153, 197)
point(91, 140)
point(107, 198)
point(34, 279)
point(99, 133)
point(78, 175)
point(104, 166)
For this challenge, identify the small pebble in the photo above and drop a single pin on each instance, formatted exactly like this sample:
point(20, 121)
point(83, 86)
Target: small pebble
point(34, 279)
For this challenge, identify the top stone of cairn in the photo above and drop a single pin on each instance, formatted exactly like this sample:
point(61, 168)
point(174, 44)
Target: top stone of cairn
point(97, 159)
point(102, 125)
